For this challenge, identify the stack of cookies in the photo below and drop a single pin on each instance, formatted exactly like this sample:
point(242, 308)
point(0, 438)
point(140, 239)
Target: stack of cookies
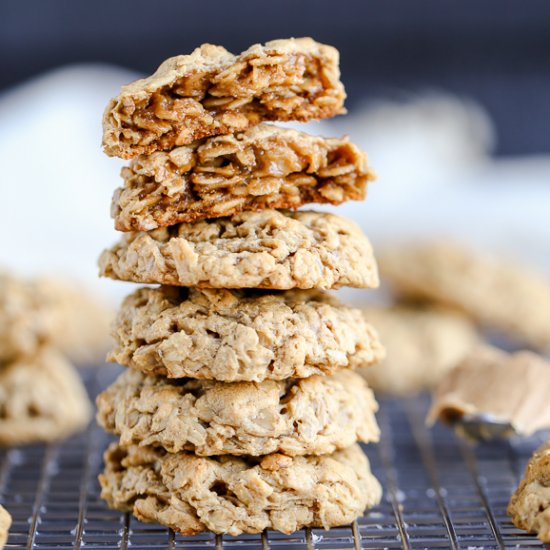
point(240, 410)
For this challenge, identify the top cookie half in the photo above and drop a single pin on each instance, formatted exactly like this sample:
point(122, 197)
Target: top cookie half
point(212, 92)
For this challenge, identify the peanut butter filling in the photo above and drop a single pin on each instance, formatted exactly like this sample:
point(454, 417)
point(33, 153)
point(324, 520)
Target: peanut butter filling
point(265, 167)
point(219, 94)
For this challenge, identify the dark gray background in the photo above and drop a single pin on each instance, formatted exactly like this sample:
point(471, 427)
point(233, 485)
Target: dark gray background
point(495, 51)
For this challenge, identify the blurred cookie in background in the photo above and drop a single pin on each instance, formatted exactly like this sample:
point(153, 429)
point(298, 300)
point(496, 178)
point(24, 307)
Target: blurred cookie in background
point(497, 294)
point(52, 310)
point(46, 324)
point(41, 399)
point(422, 345)
point(492, 393)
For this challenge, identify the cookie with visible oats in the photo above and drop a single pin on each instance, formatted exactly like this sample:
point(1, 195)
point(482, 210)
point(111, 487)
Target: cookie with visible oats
point(212, 92)
point(529, 506)
point(313, 416)
point(267, 249)
point(264, 167)
point(241, 335)
point(422, 345)
point(41, 399)
point(234, 495)
point(504, 296)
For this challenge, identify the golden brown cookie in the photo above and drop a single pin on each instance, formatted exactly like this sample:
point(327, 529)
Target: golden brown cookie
point(264, 167)
point(509, 388)
point(232, 495)
point(313, 416)
point(510, 298)
point(267, 249)
point(212, 92)
point(530, 504)
point(241, 335)
point(5, 524)
point(52, 311)
point(41, 399)
point(422, 345)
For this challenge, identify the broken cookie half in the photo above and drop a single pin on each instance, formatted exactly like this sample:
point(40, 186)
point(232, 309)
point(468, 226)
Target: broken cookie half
point(264, 167)
point(495, 394)
point(212, 92)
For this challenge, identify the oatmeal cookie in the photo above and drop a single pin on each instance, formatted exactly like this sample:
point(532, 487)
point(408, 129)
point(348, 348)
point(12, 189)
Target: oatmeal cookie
point(422, 345)
point(511, 388)
point(41, 399)
point(267, 249)
point(530, 505)
point(212, 92)
point(241, 335)
point(264, 167)
point(313, 416)
point(233, 495)
point(5, 524)
point(52, 311)
point(506, 297)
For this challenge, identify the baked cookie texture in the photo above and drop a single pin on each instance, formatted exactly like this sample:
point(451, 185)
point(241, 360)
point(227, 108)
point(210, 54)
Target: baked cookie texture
point(264, 167)
point(233, 495)
point(507, 297)
point(52, 311)
point(267, 249)
point(317, 415)
point(422, 345)
point(529, 506)
point(240, 411)
point(512, 388)
point(41, 399)
point(5, 524)
point(212, 92)
point(241, 335)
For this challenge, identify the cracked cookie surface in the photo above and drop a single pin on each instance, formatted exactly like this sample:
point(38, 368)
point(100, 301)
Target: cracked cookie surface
point(267, 249)
point(313, 416)
point(505, 296)
point(41, 399)
point(241, 335)
point(529, 506)
point(232, 495)
point(212, 92)
point(264, 167)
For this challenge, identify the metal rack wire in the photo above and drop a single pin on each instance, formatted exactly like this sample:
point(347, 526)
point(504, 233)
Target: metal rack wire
point(439, 493)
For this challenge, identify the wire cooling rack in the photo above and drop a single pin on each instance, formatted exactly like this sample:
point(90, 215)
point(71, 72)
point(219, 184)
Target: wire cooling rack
point(439, 493)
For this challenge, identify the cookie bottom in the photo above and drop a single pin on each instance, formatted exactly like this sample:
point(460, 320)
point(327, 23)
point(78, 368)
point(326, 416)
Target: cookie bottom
point(230, 495)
